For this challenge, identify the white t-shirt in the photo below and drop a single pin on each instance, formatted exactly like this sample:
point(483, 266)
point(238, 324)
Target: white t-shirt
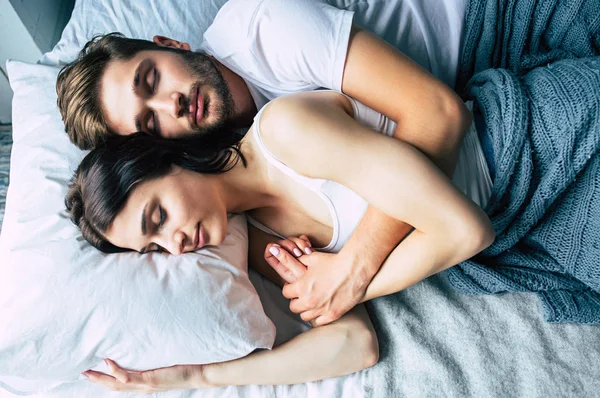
point(284, 46)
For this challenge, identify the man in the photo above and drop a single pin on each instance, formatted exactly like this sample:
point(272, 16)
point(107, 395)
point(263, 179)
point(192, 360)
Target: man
point(262, 49)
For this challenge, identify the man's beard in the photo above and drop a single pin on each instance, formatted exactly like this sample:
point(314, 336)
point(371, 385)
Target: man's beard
point(205, 73)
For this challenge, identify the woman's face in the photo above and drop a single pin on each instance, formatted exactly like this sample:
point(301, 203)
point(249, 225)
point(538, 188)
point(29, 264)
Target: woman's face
point(177, 213)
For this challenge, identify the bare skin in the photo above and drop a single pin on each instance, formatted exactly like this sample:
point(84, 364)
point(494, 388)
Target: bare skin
point(403, 92)
point(397, 88)
point(402, 182)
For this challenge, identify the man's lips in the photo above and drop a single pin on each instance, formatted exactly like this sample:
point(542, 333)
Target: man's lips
point(199, 107)
point(196, 108)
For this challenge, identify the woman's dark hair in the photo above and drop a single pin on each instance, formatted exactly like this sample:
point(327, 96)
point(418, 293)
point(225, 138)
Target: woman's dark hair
point(108, 174)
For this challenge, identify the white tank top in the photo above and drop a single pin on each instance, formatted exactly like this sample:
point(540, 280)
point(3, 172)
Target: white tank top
point(347, 208)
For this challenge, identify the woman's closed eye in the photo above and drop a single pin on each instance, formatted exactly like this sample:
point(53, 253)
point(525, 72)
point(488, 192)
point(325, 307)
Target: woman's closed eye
point(159, 218)
point(158, 224)
point(153, 248)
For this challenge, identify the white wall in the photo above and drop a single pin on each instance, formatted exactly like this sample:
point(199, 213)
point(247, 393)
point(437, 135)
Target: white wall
point(44, 19)
point(15, 43)
point(28, 28)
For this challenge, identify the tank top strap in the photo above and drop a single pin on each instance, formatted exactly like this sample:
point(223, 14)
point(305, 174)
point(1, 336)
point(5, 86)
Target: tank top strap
point(263, 227)
point(314, 184)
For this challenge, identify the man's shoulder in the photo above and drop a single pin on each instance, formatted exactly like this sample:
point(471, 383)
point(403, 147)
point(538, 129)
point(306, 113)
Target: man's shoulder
point(244, 11)
point(236, 6)
point(242, 15)
point(229, 30)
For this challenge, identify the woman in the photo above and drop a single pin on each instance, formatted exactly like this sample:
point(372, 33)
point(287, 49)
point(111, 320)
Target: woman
point(315, 178)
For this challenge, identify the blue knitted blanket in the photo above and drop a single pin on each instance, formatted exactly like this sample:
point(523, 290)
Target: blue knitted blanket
point(545, 203)
point(543, 118)
point(520, 35)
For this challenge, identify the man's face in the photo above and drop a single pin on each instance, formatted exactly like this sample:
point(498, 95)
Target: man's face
point(163, 93)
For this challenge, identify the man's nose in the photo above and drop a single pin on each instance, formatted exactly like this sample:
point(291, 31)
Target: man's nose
point(171, 104)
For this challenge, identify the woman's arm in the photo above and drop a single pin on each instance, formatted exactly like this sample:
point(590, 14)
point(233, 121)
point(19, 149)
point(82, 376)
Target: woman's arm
point(342, 347)
point(430, 117)
point(389, 174)
point(258, 241)
point(419, 256)
point(339, 348)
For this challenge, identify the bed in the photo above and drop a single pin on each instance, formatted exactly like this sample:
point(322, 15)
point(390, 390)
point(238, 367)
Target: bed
point(436, 342)
point(433, 340)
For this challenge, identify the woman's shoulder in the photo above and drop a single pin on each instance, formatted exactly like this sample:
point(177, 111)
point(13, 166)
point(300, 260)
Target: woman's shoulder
point(292, 117)
point(308, 125)
point(297, 104)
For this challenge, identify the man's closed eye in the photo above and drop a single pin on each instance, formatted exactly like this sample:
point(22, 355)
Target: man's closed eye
point(153, 126)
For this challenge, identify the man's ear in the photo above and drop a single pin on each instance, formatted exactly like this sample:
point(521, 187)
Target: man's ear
point(163, 41)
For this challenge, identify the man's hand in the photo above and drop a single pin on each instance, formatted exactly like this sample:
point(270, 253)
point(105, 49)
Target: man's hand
point(326, 285)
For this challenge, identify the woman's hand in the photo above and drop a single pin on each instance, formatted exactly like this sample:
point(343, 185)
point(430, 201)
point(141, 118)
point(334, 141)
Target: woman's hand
point(326, 285)
point(163, 379)
point(295, 248)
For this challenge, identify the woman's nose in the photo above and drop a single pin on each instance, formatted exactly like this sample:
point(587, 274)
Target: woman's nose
point(175, 243)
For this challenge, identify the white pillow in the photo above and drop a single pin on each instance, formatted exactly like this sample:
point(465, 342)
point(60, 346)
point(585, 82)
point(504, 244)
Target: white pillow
point(183, 20)
point(65, 306)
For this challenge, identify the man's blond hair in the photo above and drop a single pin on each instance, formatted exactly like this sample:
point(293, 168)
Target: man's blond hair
point(78, 86)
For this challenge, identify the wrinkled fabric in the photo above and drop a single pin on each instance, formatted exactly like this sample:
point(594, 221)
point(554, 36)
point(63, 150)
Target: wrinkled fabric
point(520, 35)
point(545, 203)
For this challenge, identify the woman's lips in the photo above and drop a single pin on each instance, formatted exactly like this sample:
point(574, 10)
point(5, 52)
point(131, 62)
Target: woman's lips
point(201, 237)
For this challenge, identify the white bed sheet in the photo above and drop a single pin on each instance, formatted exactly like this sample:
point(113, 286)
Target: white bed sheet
point(436, 342)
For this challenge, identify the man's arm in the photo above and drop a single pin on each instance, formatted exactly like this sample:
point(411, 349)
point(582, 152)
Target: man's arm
point(400, 181)
point(430, 116)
